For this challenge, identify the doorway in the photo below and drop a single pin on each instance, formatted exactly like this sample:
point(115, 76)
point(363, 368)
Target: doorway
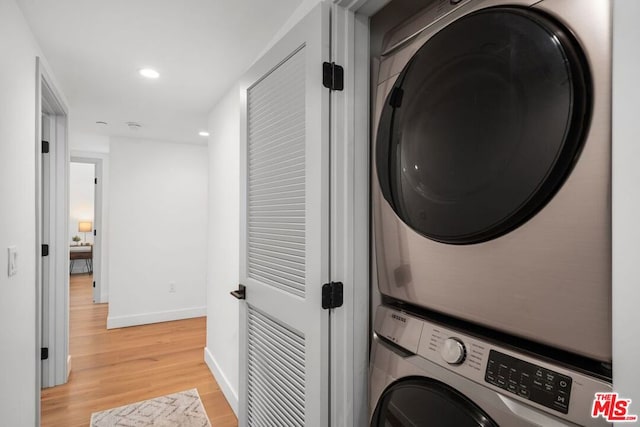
point(52, 274)
point(85, 222)
point(81, 218)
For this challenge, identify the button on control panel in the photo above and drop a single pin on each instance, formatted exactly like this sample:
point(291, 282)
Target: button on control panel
point(540, 385)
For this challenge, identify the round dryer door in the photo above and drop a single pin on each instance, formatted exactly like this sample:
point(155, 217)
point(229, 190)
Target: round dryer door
point(483, 125)
point(426, 402)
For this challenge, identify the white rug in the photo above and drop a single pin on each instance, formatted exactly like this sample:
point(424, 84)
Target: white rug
point(182, 409)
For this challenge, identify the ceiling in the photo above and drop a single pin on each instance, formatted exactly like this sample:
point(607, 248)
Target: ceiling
point(199, 47)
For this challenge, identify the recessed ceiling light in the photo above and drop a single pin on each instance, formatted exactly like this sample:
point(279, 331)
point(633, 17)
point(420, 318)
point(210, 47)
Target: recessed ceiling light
point(203, 133)
point(149, 73)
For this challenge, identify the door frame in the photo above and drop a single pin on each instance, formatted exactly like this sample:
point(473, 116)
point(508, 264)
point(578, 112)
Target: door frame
point(99, 294)
point(350, 256)
point(49, 100)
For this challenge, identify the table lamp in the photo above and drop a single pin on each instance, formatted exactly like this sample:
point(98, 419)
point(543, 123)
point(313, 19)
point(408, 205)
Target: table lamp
point(84, 227)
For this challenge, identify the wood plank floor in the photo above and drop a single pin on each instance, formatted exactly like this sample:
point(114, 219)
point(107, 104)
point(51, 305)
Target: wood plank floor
point(116, 367)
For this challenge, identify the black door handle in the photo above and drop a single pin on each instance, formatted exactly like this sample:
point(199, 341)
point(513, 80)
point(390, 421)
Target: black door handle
point(240, 293)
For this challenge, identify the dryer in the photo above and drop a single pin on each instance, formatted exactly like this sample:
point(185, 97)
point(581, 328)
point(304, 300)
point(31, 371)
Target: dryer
point(428, 374)
point(491, 167)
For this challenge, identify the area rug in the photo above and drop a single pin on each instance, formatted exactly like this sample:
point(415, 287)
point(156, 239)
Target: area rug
point(182, 409)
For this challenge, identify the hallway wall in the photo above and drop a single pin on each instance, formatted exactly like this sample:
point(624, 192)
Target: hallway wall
point(18, 393)
point(222, 351)
point(157, 231)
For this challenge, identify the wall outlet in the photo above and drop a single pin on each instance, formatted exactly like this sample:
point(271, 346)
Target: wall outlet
point(12, 264)
point(172, 287)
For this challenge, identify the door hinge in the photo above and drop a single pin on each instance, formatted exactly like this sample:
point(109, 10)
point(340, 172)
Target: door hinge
point(94, 231)
point(44, 353)
point(45, 147)
point(332, 295)
point(94, 283)
point(332, 76)
point(95, 180)
point(45, 250)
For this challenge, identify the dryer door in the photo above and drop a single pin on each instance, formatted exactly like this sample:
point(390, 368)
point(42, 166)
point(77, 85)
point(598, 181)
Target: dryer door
point(426, 402)
point(483, 125)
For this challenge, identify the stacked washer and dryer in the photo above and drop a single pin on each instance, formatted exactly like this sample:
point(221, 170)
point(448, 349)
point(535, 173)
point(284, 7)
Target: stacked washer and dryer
point(491, 187)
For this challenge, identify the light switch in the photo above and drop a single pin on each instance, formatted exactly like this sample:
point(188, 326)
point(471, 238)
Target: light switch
point(12, 267)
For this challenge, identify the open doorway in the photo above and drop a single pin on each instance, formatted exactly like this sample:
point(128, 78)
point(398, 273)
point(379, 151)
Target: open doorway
point(81, 218)
point(86, 223)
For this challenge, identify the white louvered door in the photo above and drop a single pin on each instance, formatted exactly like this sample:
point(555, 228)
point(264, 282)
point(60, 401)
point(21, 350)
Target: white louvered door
point(284, 259)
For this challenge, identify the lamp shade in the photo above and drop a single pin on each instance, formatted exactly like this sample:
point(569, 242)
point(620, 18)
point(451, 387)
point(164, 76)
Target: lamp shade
point(84, 226)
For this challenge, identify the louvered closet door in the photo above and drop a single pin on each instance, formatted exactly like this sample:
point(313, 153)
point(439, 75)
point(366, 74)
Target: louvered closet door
point(285, 231)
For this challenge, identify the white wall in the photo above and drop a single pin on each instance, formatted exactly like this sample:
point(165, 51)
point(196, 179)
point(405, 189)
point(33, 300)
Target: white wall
point(90, 142)
point(222, 350)
point(81, 198)
point(300, 12)
point(157, 231)
point(18, 51)
point(626, 201)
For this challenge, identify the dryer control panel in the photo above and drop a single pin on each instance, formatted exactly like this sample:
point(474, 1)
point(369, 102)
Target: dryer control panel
point(540, 385)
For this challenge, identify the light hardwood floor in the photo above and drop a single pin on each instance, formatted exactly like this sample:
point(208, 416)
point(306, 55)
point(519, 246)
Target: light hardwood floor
point(116, 367)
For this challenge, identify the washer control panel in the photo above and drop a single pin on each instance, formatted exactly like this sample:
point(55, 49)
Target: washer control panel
point(520, 377)
point(533, 382)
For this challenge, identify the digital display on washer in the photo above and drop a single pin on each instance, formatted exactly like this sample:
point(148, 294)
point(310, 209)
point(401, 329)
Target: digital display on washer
point(540, 385)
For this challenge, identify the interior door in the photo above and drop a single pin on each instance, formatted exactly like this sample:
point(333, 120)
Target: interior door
point(284, 252)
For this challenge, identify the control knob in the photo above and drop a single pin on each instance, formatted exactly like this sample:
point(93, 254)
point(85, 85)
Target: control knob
point(453, 351)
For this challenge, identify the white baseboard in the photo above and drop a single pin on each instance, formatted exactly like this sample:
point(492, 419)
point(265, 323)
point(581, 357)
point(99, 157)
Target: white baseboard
point(223, 382)
point(68, 368)
point(157, 317)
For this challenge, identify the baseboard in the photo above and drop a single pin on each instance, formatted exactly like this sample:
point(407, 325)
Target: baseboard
point(229, 393)
point(157, 317)
point(68, 368)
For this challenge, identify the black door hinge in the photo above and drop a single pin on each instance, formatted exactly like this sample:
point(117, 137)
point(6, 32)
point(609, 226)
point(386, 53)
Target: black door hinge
point(332, 295)
point(45, 250)
point(94, 283)
point(94, 232)
point(95, 180)
point(45, 147)
point(332, 76)
point(44, 353)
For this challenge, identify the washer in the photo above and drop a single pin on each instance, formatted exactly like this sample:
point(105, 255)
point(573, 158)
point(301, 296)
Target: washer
point(492, 167)
point(426, 374)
